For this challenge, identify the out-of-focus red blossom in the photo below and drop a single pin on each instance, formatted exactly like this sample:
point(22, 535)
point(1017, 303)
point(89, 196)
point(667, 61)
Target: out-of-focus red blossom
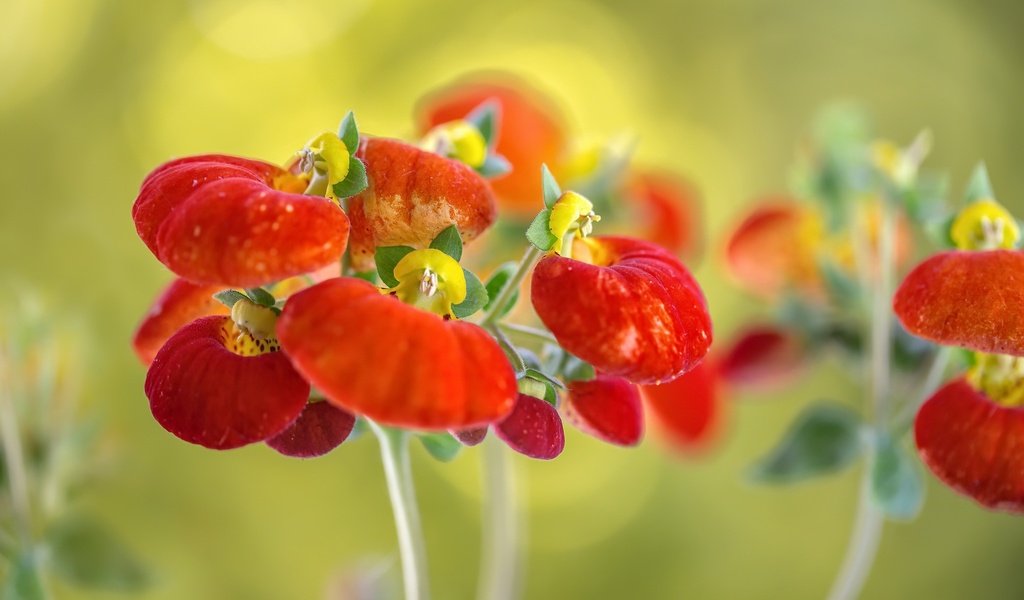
point(470, 437)
point(412, 196)
point(773, 249)
point(669, 211)
point(533, 428)
point(181, 302)
point(634, 310)
point(607, 408)
point(967, 299)
point(397, 364)
point(974, 445)
point(236, 222)
point(761, 356)
point(320, 428)
point(530, 131)
point(689, 410)
point(201, 389)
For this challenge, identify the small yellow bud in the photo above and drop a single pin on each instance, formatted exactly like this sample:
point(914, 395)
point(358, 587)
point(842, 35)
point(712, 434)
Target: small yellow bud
point(984, 225)
point(460, 140)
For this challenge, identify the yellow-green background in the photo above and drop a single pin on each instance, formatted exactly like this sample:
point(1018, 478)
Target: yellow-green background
point(94, 93)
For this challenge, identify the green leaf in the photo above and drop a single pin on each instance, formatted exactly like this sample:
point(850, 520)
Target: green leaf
point(552, 191)
point(496, 283)
point(476, 296)
point(486, 119)
point(539, 233)
point(229, 297)
point(261, 296)
point(495, 165)
point(824, 439)
point(442, 446)
point(897, 486)
point(85, 554)
point(979, 187)
point(939, 231)
point(370, 276)
point(449, 241)
point(386, 258)
point(354, 183)
point(348, 131)
point(578, 370)
point(543, 377)
point(23, 581)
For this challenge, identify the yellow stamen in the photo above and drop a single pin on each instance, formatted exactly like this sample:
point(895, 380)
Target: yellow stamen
point(460, 140)
point(250, 330)
point(1000, 377)
point(984, 225)
point(431, 280)
point(572, 214)
point(329, 155)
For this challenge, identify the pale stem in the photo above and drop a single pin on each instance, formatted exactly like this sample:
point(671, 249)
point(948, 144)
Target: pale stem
point(867, 528)
point(512, 285)
point(14, 457)
point(500, 560)
point(528, 334)
point(394, 452)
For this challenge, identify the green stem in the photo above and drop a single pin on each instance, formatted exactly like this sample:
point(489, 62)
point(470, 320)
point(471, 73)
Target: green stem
point(510, 349)
point(867, 528)
point(14, 458)
point(511, 286)
point(528, 334)
point(499, 571)
point(394, 452)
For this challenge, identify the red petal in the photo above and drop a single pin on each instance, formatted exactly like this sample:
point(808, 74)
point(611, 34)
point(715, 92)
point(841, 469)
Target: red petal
point(974, 445)
point(205, 394)
point(689, 409)
point(769, 251)
point(530, 132)
point(967, 299)
point(533, 429)
point(320, 428)
point(413, 196)
point(761, 356)
point(669, 210)
point(640, 315)
point(607, 408)
point(396, 364)
point(470, 437)
point(223, 223)
point(180, 303)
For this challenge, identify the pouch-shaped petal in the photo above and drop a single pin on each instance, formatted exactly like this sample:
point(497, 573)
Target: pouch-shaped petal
point(607, 408)
point(761, 355)
point(235, 222)
point(412, 196)
point(974, 445)
point(636, 312)
point(533, 429)
point(668, 210)
point(180, 303)
point(320, 428)
point(689, 410)
point(205, 393)
point(774, 249)
point(967, 299)
point(470, 437)
point(530, 132)
point(394, 363)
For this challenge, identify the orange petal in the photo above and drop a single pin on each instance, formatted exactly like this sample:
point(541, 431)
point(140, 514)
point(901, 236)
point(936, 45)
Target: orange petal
point(689, 410)
point(669, 212)
point(770, 250)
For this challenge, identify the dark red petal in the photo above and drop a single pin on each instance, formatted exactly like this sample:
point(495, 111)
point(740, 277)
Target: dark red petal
point(768, 252)
point(394, 363)
point(762, 355)
point(179, 304)
point(531, 131)
point(974, 445)
point(669, 211)
point(207, 395)
point(607, 408)
point(689, 409)
point(639, 314)
point(470, 437)
point(320, 428)
point(533, 429)
point(967, 299)
point(412, 196)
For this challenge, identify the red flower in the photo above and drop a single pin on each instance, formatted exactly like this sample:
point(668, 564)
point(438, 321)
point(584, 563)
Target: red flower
point(760, 356)
point(966, 299)
point(412, 196)
point(397, 364)
point(220, 386)
point(774, 249)
point(236, 222)
point(690, 410)
point(180, 303)
point(530, 132)
point(974, 445)
point(607, 408)
point(533, 428)
point(669, 211)
point(633, 311)
point(320, 428)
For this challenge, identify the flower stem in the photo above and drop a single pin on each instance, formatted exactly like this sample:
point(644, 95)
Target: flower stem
point(511, 286)
point(867, 528)
point(14, 459)
point(530, 334)
point(394, 452)
point(499, 571)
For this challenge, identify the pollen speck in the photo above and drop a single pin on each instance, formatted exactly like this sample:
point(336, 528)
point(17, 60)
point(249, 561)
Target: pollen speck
point(196, 231)
point(289, 208)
